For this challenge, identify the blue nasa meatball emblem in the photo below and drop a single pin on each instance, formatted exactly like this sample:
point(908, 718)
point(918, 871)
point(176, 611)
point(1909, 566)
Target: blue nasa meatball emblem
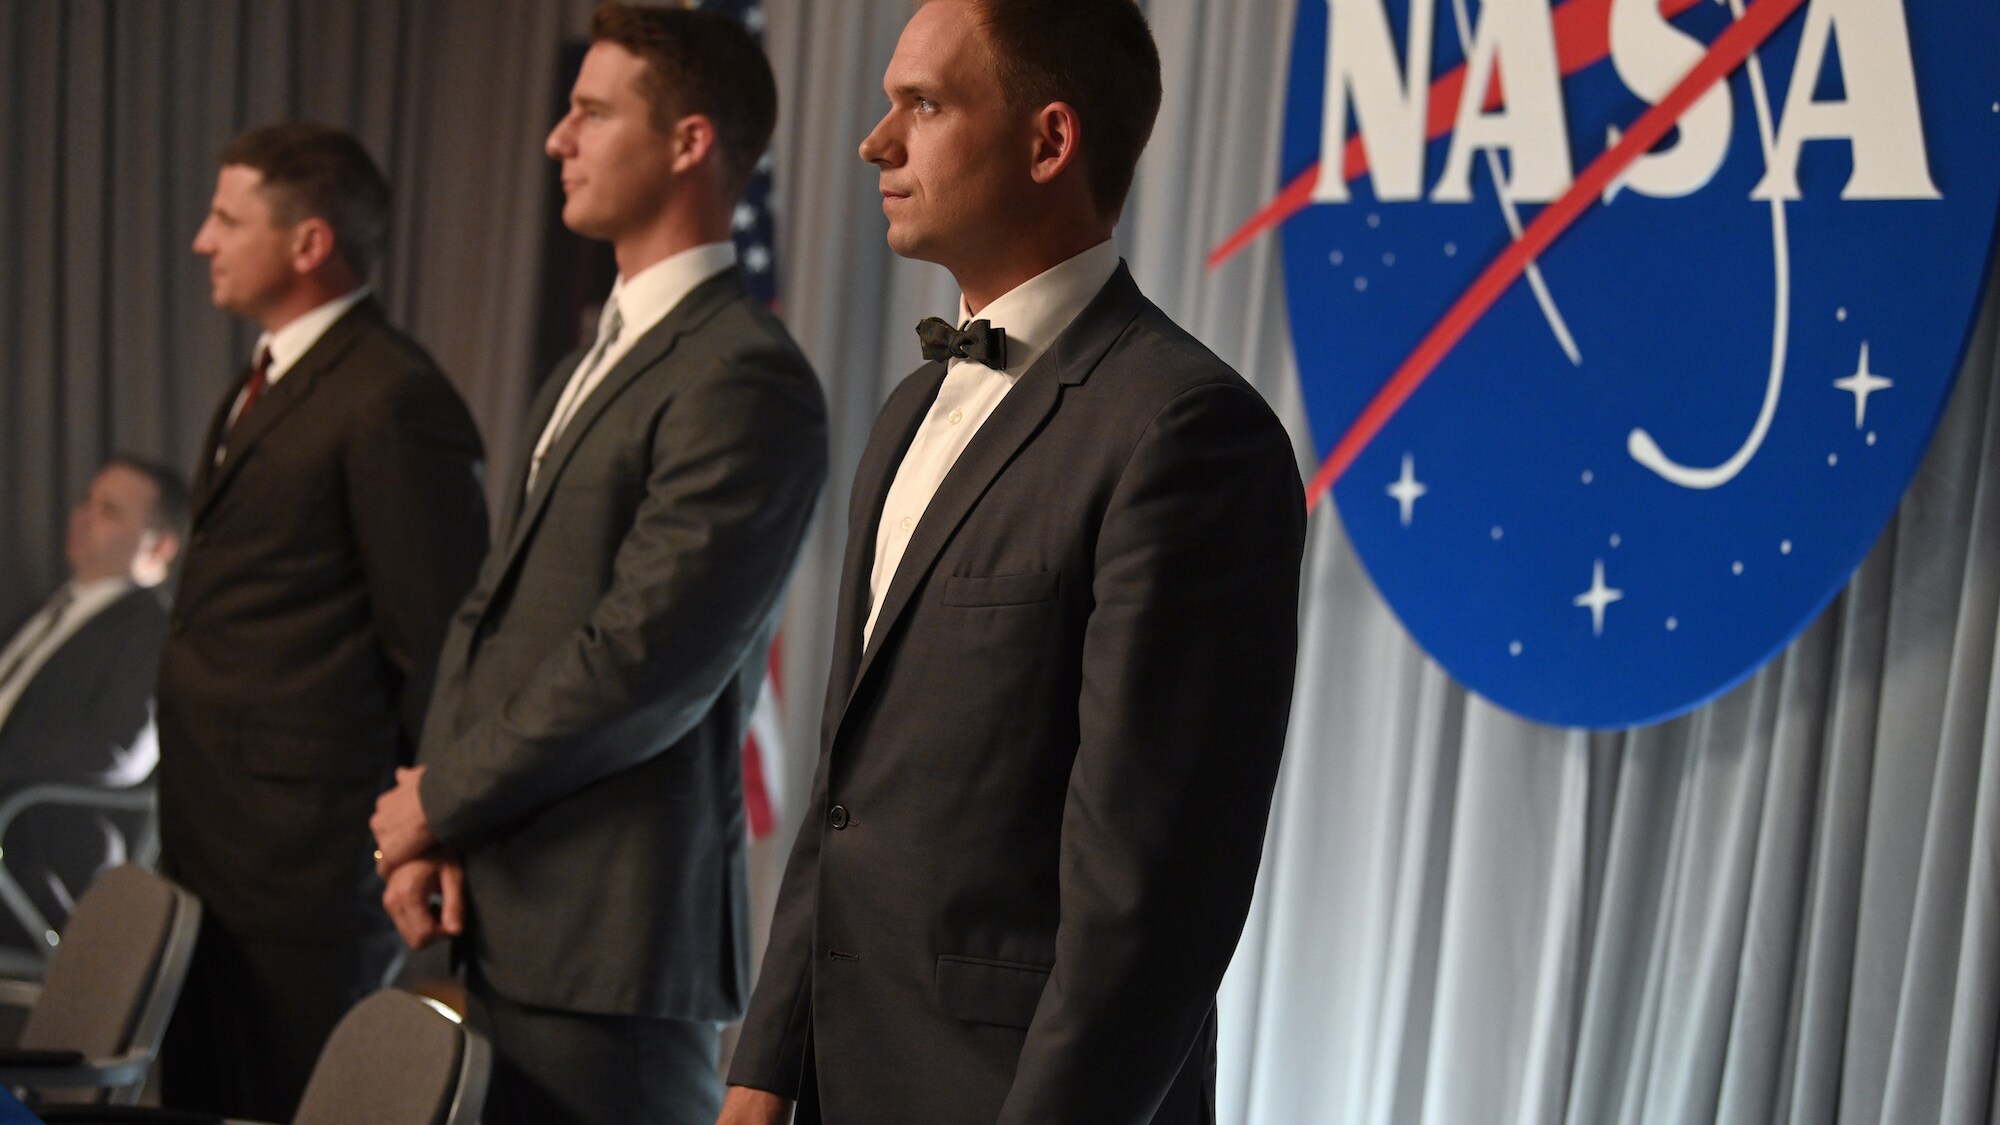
point(1624, 324)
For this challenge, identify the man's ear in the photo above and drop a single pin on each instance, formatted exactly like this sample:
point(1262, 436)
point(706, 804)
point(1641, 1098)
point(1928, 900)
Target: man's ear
point(1058, 135)
point(157, 550)
point(312, 244)
point(694, 141)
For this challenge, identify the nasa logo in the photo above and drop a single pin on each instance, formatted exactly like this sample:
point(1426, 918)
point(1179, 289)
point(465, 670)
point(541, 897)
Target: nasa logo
point(1624, 324)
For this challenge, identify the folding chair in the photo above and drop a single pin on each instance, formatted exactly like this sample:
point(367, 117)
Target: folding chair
point(134, 812)
point(96, 1020)
point(394, 1059)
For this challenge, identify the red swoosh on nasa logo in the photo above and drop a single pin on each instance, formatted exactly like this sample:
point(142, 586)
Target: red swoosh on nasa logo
point(1759, 22)
point(1583, 39)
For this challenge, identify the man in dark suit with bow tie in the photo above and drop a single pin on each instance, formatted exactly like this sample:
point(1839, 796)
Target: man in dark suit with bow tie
point(338, 519)
point(582, 762)
point(1063, 663)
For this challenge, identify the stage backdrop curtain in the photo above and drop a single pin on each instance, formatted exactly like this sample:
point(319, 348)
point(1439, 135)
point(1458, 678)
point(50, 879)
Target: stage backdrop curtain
point(112, 114)
point(1784, 907)
point(1780, 908)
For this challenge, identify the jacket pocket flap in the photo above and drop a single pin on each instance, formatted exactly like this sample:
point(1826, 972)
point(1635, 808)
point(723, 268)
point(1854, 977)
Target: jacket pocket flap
point(978, 990)
point(1001, 589)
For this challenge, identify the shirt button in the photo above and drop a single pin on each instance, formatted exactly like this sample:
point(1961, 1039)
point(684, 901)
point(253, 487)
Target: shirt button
point(956, 416)
point(837, 816)
point(906, 523)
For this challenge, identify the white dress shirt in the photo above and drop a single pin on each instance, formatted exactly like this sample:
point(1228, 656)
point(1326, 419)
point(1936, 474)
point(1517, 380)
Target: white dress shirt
point(1033, 314)
point(87, 600)
point(643, 301)
point(290, 344)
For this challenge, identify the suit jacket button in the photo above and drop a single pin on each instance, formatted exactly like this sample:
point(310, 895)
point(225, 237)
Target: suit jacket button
point(837, 816)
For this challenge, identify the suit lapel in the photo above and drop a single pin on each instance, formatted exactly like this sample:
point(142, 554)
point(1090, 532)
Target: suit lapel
point(204, 472)
point(694, 310)
point(887, 445)
point(1068, 362)
point(538, 420)
point(92, 643)
point(272, 406)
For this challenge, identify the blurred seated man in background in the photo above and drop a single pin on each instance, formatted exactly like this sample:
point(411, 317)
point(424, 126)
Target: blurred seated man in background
point(76, 684)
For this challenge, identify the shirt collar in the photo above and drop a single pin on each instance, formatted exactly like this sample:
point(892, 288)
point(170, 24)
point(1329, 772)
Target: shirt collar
point(290, 344)
point(1036, 311)
point(95, 593)
point(646, 298)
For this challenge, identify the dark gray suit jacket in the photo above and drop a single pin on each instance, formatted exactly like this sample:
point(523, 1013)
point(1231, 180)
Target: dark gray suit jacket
point(79, 717)
point(583, 746)
point(327, 552)
point(78, 722)
point(1043, 785)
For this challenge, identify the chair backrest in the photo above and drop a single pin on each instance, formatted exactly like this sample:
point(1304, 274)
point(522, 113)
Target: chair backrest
point(398, 1059)
point(113, 981)
point(66, 833)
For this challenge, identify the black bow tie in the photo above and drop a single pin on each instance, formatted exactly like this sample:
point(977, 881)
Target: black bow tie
point(979, 342)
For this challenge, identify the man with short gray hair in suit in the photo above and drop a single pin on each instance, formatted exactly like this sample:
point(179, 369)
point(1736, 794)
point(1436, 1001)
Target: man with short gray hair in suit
point(578, 807)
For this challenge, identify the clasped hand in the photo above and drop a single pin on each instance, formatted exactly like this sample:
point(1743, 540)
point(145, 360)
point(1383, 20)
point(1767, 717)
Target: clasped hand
point(424, 891)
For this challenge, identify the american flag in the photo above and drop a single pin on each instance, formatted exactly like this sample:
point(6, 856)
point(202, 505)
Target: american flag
point(752, 225)
point(763, 747)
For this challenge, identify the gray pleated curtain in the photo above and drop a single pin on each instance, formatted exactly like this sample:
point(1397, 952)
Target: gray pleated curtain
point(1784, 907)
point(111, 116)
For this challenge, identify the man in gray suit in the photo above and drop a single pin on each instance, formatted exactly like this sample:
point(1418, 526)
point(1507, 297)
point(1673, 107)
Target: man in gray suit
point(578, 805)
point(1067, 627)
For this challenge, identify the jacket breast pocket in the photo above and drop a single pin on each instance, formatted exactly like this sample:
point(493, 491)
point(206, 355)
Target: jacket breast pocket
point(1001, 589)
point(982, 990)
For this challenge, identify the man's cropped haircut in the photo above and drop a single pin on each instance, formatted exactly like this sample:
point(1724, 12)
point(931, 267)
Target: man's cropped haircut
point(1097, 55)
point(700, 63)
point(170, 504)
point(317, 172)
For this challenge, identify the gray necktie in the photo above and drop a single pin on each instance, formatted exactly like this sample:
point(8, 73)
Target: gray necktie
point(573, 394)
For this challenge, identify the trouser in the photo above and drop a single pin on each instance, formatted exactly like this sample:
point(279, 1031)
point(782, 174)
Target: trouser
point(253, 1016)
point(553, 1067)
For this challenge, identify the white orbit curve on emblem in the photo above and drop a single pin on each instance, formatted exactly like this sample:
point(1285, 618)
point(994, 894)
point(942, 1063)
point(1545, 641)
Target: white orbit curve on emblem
point(1639, 443)
point(1504, 192)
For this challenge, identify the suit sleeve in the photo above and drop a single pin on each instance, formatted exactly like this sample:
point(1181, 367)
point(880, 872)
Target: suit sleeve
point(124, 745)
point(1187, 666)
point(771, 1050)
point(109, 738)
point(736, 464)
point(418, 513)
